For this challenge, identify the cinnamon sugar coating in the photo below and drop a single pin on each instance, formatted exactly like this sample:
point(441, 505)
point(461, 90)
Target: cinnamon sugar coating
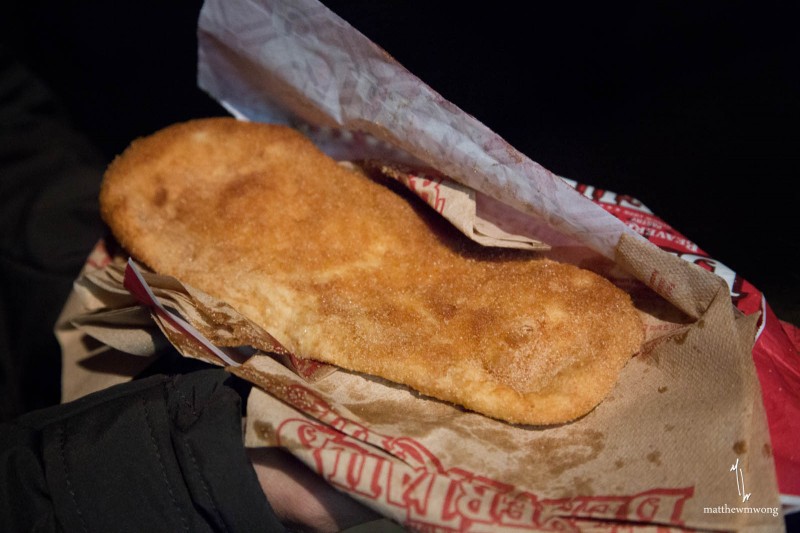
point(354, 272)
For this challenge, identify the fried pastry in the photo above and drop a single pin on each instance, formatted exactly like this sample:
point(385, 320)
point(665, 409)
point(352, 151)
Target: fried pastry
point(355, 272)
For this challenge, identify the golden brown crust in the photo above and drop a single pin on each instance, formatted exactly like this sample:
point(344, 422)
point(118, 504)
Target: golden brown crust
point(345, 270)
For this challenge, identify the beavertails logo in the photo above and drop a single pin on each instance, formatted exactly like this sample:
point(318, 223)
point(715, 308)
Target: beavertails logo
point(426, 187)
point(640, 219)
point(401, 474)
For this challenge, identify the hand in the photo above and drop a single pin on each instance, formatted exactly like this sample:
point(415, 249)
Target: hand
point(303, 501)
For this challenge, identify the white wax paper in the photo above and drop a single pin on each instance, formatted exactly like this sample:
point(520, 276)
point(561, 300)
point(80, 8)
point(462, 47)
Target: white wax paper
point(297, 62)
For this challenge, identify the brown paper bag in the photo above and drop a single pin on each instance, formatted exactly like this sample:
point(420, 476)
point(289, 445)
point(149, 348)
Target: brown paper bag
point(681, 441)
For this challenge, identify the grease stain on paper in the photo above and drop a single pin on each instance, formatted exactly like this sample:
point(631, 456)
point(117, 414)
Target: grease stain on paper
point(501, 438)
point(563, 453)
point(739, 447)
point(654, 457)
point(413, 422)
point(265, 431)
point(575, 487)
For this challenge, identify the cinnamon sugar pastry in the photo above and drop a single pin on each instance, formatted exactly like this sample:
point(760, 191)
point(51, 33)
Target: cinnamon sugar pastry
point(350, 271)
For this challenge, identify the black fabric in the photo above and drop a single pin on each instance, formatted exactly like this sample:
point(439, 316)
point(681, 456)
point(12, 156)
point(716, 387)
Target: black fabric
point(49, 221)
point(156, 454)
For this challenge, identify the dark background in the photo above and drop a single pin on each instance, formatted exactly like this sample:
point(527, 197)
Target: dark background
point(691, 107)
